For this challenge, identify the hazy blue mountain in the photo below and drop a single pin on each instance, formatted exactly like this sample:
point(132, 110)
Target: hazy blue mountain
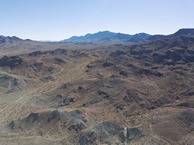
point(187, 32)
point(103, 36)
point(8, 39)
point(184, 32)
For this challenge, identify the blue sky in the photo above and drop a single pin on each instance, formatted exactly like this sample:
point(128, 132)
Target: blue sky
point(60, 19)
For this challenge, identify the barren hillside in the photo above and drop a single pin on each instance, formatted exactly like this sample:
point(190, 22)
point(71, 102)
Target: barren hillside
point(90, 93)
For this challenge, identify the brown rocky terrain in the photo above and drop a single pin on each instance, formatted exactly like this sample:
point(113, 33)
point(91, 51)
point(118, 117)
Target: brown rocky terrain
point(100, 94)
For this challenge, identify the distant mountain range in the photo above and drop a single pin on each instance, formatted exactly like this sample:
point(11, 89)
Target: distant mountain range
point(106, 36)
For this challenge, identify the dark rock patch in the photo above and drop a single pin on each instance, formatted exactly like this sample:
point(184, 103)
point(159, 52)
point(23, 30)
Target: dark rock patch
point(12, 61)
point(59, 96)
point(187, 117)
point(132, 134)
point(77, 127)
point(107, 64)
point(3, 79)
point(59, 60)
point(191, 93)
point(65, 86)
point(81, 90)
point(77, 53)
point(88, 138)
point(54, 115)
point(117, 53)
point(123, 73)
point(186, 104)
point(155, 103)
point(150, 72)
point(67, 101)
point(32, 118)
point(91, 65)
point(108, 129)
point(126, 99)
point(104, 94)
point(36, 53)
point(47, 79)
point(133, 96)
point(59, 51)
point(12, 125)
point(173, 55)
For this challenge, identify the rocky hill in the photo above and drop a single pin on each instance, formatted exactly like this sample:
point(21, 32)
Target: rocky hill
point(4, 39)
point(184, 32)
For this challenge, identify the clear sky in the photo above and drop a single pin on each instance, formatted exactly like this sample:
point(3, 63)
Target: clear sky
point(60, 19)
